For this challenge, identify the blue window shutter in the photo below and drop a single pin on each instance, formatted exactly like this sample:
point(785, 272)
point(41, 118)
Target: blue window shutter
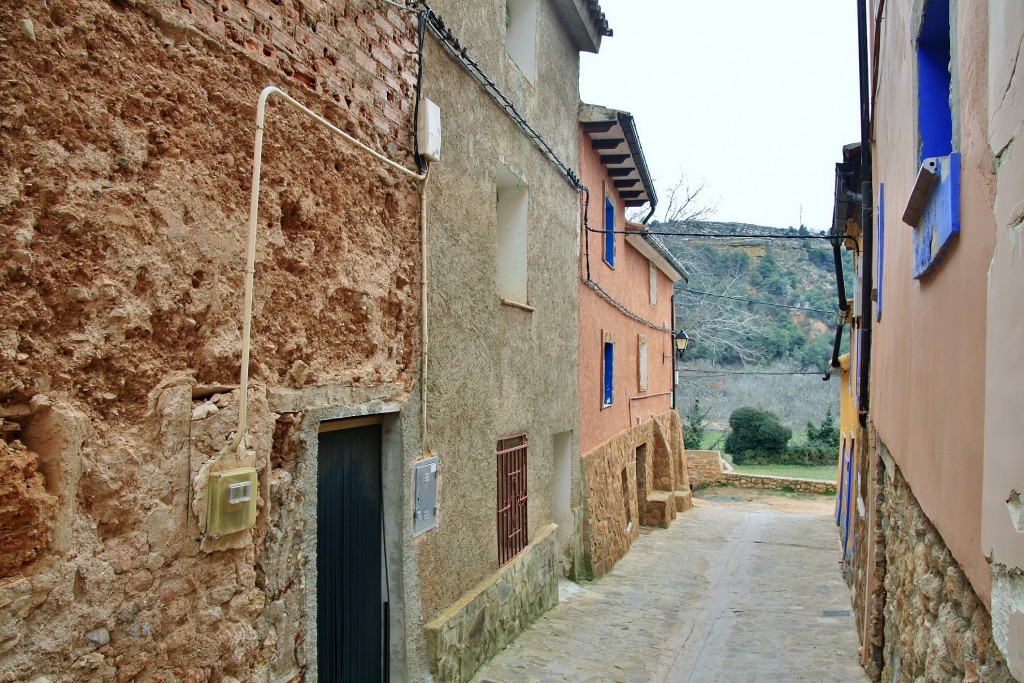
point(609, 372)
point(609, 236)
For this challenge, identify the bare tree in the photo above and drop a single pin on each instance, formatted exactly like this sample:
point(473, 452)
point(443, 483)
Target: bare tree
point(724, 326)
point(684, 202)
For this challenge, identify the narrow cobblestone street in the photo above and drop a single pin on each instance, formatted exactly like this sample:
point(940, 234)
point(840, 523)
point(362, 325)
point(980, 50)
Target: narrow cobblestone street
point(744, 587)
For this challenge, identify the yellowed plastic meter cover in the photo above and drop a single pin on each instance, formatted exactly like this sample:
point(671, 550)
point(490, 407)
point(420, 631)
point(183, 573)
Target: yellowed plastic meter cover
point(232, 501)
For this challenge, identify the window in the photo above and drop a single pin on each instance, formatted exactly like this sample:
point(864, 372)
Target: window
point(653, 274)
point(513, 202)
point(609, 372)
point(521, 35)
point(511, 500)
point(938, 223)
point(643, 362)
point(609, 235)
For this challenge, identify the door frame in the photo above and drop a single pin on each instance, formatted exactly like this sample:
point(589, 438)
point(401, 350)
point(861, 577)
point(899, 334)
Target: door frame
point(319, 420)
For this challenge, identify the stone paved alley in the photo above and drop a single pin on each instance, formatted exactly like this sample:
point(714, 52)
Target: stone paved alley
point(745, 587)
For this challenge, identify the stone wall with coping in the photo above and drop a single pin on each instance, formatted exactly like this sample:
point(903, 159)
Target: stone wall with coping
point(705, 467)
point(622, 494)
point(769, 483)
point(489, 617)
point(935, 626)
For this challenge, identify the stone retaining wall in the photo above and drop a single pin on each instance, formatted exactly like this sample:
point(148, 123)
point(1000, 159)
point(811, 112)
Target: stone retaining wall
point(759, 481)
point(488, 618)
point(637, 478)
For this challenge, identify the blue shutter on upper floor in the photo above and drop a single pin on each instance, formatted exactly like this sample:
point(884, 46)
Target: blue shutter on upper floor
point(609, 373)
point(609, 235)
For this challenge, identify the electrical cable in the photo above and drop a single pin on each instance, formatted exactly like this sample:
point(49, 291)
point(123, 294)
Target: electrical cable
point(712, 373)
point(663, 233)
point(754, 301)
point(421, 29)
point(451, 44)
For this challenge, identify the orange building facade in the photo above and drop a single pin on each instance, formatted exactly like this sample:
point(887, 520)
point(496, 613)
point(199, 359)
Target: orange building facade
point(630, 435)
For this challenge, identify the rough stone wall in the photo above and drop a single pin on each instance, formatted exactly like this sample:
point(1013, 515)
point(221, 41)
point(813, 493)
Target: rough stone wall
point(936, 628)
point(489, 617)
point(769, 483)
point(614, 511)
point(705, 467)
point(126, 132)
point(865, 575)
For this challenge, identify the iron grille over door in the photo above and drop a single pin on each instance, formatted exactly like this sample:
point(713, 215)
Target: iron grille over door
point(512, 523)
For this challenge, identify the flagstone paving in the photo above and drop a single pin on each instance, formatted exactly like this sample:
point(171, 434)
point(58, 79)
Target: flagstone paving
point(744, 587)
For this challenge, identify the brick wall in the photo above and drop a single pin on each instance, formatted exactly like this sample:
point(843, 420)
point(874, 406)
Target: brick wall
point(359, 53)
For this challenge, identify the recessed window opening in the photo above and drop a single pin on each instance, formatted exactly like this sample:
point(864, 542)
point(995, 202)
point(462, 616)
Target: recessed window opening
point(642, 354)
point(513, 203)
point(653, 274)
point(609, 235)
point(521, 35)
point(609, 373)
point(935, 120)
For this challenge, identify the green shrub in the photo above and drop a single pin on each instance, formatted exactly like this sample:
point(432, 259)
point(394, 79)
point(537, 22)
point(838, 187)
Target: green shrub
point(695, 424)
point(800, 455)
point(825, 435)
point(751, 429)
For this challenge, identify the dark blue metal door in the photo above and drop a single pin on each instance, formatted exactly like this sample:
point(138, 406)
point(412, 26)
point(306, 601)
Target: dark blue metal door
point(350, 606)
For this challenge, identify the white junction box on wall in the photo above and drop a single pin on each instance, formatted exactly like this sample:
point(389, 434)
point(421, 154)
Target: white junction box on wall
point(428, 130)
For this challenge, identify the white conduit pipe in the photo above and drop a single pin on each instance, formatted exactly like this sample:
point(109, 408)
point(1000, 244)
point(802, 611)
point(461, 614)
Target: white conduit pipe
point(250, 262)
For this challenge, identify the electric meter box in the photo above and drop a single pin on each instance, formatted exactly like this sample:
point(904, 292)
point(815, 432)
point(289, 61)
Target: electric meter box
point(232, 501)
point(428, 130)
point(424, 516)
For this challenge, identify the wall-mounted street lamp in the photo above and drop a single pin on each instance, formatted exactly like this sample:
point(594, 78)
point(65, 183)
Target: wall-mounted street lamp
point(681, 339)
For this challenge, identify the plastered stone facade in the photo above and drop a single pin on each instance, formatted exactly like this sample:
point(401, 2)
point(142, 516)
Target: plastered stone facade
point(495, 370)
point(488, 618)
point(936, 627)
point(630, 481)
point(126, 131)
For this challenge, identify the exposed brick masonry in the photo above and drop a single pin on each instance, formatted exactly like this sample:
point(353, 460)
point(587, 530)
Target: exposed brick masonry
point(357, 53)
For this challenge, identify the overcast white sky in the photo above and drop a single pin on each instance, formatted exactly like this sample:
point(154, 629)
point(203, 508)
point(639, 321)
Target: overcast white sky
point(754, 98)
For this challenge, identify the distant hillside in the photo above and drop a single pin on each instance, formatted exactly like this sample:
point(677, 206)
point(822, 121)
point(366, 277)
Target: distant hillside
point(724, 272)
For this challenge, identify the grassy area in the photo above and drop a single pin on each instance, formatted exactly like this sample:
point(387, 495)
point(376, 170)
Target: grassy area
point(822, 472)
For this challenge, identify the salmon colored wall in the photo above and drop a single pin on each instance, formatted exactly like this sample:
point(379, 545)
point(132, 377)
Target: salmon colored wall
point(928, 361)
point(628, 283)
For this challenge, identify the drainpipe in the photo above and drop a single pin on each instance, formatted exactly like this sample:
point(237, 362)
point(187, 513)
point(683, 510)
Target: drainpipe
point(672, 343)
point(866, 210)
point(250, 260)
point(844, 307)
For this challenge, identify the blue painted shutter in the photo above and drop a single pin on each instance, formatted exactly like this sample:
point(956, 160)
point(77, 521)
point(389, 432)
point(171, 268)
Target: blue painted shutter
point(609, 372)
point(609, 236)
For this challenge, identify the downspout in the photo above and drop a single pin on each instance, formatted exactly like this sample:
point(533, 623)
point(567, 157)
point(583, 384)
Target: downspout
point(866, 210)
point(672, 342)
point(844, 307)
point(250, 261)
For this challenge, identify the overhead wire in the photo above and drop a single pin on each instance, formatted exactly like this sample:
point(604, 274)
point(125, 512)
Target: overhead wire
point(754, 301)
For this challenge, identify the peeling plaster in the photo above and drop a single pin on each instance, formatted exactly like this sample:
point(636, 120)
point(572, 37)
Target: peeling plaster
point(1016, 511)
